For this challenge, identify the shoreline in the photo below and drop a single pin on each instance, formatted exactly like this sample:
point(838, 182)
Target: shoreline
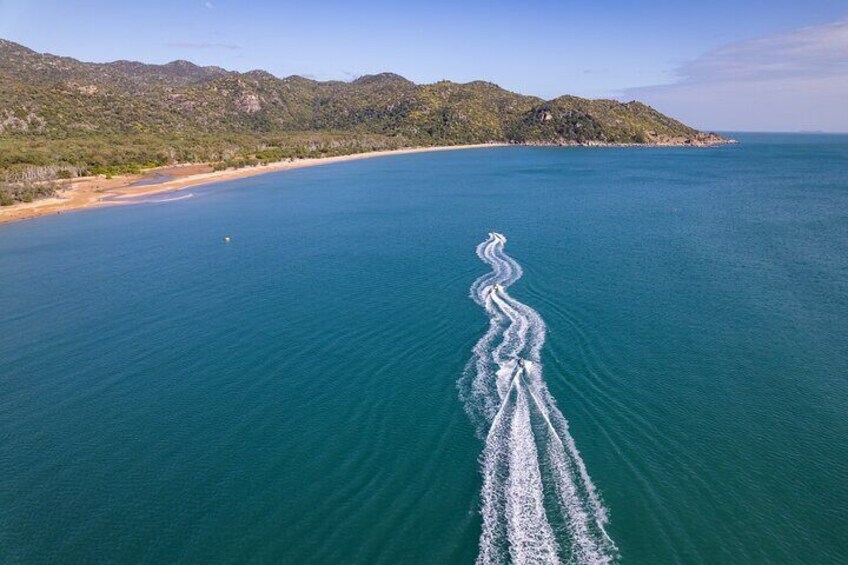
point(85, 193)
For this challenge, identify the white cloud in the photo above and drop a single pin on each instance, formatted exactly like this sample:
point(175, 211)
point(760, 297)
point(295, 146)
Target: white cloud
point(788, 81)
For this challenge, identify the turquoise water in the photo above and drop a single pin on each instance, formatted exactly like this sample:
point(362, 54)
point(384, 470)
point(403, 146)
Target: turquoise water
point(295, 395)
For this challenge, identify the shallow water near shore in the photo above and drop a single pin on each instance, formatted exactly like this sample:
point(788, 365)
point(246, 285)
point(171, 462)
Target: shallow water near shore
point(292, 395)
point(152, 179)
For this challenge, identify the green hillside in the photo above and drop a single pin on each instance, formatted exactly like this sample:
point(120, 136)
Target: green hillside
point(62, 117)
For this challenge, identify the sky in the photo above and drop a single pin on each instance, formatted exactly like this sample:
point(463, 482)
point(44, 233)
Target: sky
point(722, 65)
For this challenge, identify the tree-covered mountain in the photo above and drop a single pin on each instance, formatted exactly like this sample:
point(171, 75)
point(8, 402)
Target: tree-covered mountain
point(84, 117)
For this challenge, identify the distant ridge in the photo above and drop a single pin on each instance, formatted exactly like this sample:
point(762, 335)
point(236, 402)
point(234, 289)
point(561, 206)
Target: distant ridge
point(96, 117)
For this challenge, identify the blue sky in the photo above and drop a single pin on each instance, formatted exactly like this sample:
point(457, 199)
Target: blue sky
point(724, 65)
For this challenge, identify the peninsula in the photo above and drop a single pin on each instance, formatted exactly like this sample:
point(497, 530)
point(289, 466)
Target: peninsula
point(67, 125)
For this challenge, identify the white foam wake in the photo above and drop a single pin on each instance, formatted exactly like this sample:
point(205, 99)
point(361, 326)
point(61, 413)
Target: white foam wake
point(539, 504)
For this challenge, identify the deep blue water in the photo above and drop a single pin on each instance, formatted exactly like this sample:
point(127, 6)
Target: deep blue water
point(291, 396)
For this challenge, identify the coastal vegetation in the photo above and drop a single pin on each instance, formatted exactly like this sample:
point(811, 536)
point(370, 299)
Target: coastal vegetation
point(61, 118)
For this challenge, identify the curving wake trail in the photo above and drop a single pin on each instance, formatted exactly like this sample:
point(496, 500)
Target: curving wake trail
point(539, 504)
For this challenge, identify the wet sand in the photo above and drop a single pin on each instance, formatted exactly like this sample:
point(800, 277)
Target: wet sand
point(95, 192)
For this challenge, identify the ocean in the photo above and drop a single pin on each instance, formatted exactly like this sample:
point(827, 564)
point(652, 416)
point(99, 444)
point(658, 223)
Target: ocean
point(651, 367)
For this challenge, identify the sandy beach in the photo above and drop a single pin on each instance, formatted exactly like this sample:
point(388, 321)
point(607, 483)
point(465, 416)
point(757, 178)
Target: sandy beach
point(95, 192)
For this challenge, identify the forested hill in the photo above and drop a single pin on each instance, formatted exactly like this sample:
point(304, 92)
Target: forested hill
point(90, 117)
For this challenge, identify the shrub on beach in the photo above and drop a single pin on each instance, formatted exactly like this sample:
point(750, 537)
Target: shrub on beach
point(25, 192)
